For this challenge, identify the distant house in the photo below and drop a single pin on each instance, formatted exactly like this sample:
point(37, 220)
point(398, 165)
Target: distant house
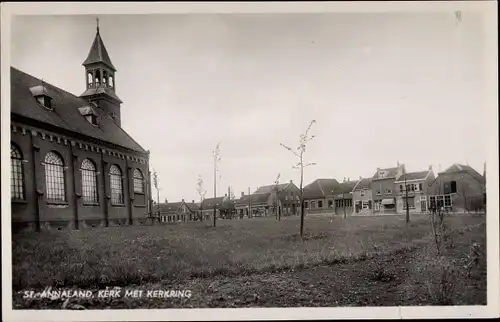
point(459, 188)
point(318, 195)
point(283, 198)
point(253, 205)
point(224, 207)
point(343, 197)
point(415, 186)
point(362, 196)
point(383, 189)
point(177, 211)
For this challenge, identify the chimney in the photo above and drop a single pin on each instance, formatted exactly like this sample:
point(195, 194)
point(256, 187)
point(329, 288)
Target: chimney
point(225, 195)
point(397, 163)
point(166, 201)
point(360, 178)
point(242, 193)
point(182, 199)
point(348, 179)
point(430, 168)
point(291, 181)
point(378, 169)
point(192, 201)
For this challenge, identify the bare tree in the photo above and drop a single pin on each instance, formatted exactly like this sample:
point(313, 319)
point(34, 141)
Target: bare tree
point(299, 154)
point(217, 158)
point(200, 188)
point(155, 182)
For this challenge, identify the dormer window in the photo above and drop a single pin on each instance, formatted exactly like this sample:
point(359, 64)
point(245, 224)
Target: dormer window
point(41, 94)
point(92, 119)
point(89, 113)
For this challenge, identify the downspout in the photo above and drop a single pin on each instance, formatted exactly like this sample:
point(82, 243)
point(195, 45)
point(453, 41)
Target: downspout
point(130, 192)
point(76, 194)
point(38, 192)
point(105, 186)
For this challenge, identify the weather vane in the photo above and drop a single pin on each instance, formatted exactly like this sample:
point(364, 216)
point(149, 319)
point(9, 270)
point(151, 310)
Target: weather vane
point(97, 19)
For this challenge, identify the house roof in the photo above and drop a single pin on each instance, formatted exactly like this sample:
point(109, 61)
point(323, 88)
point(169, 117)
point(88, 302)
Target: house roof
point(420, 175)
point(66, 114)
point(364, 183)
point(221, 203)
point(270, 188)
point(254, 198)
point(391, 173)
point(320, 188)
point(172, 207)
point(98, 53)
point(346, 187)
point(467, 169)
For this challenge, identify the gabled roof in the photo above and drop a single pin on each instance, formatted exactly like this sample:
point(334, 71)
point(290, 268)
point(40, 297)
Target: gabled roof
point(363, 184)
point(219, 202)
point(467, 169)
point(420, 175)
point(320, 188)
point(346, 187)
point(172, 207)
point(65, 114)
point(271, 188)
point(390, 173)
point(254, 199)
point(98, 53)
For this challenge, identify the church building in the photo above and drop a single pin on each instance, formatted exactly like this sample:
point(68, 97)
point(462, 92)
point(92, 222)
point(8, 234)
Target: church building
point(72, 164)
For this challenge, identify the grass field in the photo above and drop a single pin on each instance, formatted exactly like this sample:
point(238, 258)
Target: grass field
point(249, 256)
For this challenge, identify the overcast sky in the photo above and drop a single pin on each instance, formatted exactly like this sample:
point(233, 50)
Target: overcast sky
point(383, 88)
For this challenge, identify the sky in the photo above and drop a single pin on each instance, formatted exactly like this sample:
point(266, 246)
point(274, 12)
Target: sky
point(382, 87)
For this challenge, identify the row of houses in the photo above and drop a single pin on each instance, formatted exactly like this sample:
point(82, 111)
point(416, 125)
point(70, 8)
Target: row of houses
point(392, 190)
point(459, 188)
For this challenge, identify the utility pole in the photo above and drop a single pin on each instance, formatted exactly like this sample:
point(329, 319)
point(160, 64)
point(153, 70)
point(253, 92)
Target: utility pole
point(249, 204)
point(407, 217)
point(216, 160)
point(343, 204)
point(276, 197)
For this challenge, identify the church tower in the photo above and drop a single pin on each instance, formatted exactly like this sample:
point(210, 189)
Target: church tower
point(100, 79)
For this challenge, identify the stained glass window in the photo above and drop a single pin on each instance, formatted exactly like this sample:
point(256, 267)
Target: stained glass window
point(89, 182)
point(54, 178)
point(115, 179)
point(16, 173)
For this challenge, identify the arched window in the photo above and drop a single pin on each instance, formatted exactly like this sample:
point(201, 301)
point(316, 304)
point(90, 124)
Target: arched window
point(16, 173)
point(115, 179)
point(89, 79)
point(138, 181)
point(97, 77)
point(54, 178)
point(110, 82)
point(89, 182)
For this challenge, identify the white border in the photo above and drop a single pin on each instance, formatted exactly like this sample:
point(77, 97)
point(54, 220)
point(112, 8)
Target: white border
point(487, 8)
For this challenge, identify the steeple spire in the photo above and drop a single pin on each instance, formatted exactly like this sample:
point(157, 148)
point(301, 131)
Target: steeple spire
point(98, 52)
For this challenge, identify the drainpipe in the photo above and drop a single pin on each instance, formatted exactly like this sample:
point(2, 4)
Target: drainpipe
point(38, 193)
point(76, 194)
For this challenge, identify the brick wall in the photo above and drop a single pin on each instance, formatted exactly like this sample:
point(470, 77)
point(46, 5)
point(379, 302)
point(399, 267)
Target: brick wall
point(35, 211)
